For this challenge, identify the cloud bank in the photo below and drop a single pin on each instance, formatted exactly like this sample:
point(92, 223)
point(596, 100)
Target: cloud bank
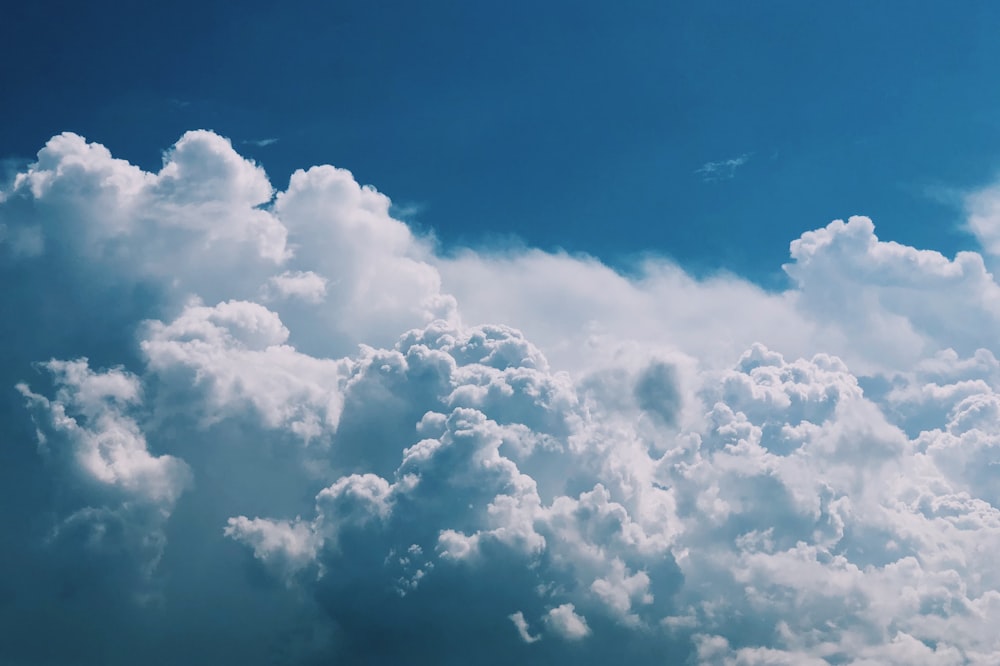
point(265, 426)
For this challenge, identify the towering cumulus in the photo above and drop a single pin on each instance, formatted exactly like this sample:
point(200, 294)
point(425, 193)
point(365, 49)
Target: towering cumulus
point(251, 426)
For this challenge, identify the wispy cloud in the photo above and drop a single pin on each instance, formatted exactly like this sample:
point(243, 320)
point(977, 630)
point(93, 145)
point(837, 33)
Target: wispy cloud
point(723, 169)
point(407, 210)
point(260, 143)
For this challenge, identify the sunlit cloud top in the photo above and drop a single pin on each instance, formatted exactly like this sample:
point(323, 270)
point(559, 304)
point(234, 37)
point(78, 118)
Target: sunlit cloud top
point(273, 424)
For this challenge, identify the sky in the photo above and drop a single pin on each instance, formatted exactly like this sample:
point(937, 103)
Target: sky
point(559, 125)
point(535, 333)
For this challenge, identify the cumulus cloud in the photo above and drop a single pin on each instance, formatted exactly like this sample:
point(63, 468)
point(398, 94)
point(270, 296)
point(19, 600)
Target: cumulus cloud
point(564, 621)
point(107, 445)
point(305, 285)
point(125, 492)
point(286, 425)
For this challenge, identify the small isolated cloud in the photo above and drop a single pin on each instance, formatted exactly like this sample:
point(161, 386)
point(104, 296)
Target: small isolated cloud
point(284, 423)
point(261, 143)
point(723, 169)
point(522, 627)
point(567, 623)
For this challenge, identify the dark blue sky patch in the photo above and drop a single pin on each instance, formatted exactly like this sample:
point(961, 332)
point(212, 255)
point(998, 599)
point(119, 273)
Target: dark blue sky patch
point(572, 125)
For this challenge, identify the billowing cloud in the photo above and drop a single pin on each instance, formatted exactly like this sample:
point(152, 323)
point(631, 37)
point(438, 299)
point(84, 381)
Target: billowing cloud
point(305, 285)
point(285, 427)
point(564, 621)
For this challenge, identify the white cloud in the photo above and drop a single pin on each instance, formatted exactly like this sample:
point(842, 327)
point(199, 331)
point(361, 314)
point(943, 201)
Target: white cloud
point(305, 285)
point(564, 621)
point(896, 303)
point(209, 224)
point(378, 269)
point(287, 546)
point(236, 354)
point(522, 628)
point(107, 446)
point(583, 313)
point(425, 447)
point(983, 217)
point(722, 169)
point(121, 493)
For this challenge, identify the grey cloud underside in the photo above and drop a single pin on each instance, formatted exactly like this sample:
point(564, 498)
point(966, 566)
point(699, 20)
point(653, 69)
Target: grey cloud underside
point(258, 427)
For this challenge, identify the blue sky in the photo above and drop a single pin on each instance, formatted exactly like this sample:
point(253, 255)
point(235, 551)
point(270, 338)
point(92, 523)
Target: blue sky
point(449, 333)
point(572, 125)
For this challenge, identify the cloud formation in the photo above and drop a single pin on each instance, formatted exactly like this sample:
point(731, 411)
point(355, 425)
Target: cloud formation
point(287, 428)
point(721, 169)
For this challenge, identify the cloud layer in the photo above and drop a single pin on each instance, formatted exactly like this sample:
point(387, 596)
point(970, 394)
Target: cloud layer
point(284, 428)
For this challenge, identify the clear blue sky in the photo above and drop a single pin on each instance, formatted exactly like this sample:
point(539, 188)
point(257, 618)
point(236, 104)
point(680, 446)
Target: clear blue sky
point(578, 125)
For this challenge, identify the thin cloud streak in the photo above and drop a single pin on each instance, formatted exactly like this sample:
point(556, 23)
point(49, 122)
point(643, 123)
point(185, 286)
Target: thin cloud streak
point(722, 169)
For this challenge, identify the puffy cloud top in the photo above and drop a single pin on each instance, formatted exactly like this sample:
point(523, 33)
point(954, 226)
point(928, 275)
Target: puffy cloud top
point(300, 419)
